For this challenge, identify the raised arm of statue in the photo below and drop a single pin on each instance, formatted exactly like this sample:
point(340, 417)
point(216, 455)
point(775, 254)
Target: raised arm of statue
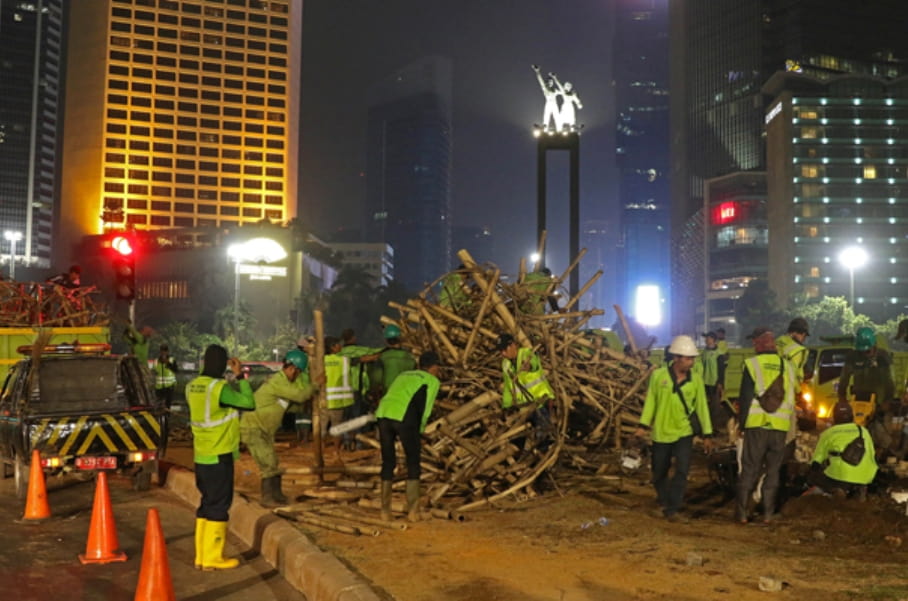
point(545, 90)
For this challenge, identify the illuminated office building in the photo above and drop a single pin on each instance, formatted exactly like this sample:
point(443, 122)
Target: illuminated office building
point(30, 123)
point(179, 114)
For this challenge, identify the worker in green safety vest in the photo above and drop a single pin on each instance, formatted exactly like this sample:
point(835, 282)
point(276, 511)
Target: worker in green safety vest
point(288, 387)
point(394, 358)
point(214, 415)
point(829, 471)
point(764, 420)
point(165, 375)
point(402, 414)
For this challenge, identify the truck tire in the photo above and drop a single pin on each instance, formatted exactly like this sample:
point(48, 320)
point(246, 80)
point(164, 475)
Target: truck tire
point(20, 474)
point(141, 480)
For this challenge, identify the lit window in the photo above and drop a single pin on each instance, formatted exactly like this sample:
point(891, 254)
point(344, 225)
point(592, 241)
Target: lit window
point(869, 172)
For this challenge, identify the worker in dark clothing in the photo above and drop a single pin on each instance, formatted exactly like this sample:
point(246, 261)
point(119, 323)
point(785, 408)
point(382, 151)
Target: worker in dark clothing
point(402, 414)
point(866, 382)
point(70, 279)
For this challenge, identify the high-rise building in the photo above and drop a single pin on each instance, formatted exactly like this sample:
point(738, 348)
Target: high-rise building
point(408, 170)
point(722, 53)
point(179, 114)
point(641, 78)
point(838, 179)
point(31, 50)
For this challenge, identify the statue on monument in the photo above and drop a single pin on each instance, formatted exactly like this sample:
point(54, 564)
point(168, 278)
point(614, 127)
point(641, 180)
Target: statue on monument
point(558, 116)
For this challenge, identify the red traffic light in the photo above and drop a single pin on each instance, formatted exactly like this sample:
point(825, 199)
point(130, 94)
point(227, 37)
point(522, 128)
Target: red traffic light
point(122, 245)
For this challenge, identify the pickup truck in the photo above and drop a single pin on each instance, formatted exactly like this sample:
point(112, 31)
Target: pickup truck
point(84, 410)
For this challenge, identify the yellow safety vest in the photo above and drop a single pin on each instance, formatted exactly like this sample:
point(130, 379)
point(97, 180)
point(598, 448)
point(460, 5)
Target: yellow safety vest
point(339, 385)
point(524, 382)
point(215, 429)
point(763, 370)
point(163, 376)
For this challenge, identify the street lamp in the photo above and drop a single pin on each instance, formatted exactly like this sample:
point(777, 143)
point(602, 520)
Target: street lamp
point(253, 251)
point(852, 258)
point(13, 237)
point(235, 252)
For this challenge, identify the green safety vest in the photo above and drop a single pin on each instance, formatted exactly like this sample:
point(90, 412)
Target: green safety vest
point(453, 295)
point(709, 360)
point(163, 376)
point(794, 351)
point(830, 446)
point(339, 382)
point(396, 401)
point(524, 382)
point(395, 361)
point(215, 429)
point(763, 370)
point(272, 400)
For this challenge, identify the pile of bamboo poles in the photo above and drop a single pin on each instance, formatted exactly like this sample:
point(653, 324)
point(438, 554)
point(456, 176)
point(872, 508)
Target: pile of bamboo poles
point(474, 452)
point(29, 304)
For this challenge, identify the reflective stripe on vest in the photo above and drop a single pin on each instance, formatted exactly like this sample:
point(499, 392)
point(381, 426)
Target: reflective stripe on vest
point(164, 377)
point(342, 390)
point(283, 403)
point(208, 423)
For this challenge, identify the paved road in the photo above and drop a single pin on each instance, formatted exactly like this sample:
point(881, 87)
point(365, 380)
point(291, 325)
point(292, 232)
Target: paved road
point(38, 560)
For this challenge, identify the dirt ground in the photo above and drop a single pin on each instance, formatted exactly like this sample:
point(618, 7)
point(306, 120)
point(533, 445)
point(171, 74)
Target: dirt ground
point(593, 539)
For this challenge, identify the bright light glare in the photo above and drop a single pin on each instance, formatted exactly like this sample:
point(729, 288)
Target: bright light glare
point(853, 257)
point(121, 245)
point(534, 258)
point(257, 250)
point(647, 308)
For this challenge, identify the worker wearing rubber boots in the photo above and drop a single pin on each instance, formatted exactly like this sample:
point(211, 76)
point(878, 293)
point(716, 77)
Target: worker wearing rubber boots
point(402, 414)
point(286, 388)
point(214, 416)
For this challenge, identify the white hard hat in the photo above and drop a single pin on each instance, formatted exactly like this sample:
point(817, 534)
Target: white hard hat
point(683, 346)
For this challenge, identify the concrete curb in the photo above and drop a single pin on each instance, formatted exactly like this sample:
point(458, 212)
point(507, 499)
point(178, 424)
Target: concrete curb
point(320, 576)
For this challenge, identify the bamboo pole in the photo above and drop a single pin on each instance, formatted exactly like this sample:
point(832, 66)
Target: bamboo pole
point(319, 403)
point(499, 306)
point(627, 330)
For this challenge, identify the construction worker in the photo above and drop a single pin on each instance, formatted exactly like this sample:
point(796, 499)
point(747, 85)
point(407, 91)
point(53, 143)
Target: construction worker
point(538, 284)
point(394, 358)
point(137, 340)
point(791, 347)
point(522, 374)
point(453, 295)
point(165, 375)
point(711, 367)
point(674, 395)
point(867, 375)
point(215, 420)
point(766, 403)
point(721, 343)
point(288, 387)
point(340, 383)
point(71, 279)
point(402, 414)
point(362, 357)
point(828, 470)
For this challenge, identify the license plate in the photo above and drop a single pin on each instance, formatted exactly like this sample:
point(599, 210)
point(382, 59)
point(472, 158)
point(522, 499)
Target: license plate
point(96, 463)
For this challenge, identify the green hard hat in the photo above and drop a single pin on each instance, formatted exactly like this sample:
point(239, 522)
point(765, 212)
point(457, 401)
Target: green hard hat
point(864, 339)
point(298, 359)
point(392, 331)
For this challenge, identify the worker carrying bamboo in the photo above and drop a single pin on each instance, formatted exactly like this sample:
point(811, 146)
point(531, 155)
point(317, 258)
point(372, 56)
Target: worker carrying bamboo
point(844, 459)
point(402, 414)
point(214, 416)
point(288, 387)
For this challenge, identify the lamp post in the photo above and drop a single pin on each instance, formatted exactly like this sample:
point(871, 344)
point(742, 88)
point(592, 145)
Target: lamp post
point(852, 258)
point(235, 252)
point(12, 237)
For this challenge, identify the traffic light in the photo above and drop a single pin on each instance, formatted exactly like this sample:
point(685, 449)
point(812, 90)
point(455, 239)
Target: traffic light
point(124, 266)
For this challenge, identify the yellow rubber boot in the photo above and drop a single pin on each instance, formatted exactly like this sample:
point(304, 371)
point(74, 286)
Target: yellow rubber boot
point(199, 541)
point(213, 554)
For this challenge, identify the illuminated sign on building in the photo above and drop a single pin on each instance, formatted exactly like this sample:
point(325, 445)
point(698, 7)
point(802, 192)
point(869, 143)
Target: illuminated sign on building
point(725, 212)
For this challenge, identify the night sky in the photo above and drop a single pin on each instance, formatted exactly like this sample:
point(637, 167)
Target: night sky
point(348, 45)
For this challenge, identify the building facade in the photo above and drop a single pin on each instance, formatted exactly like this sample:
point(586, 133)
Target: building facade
point(408, 170)
point(181, 115)
point(31, 69)
point(838, 178)
point(376, 259)
point(641, 79)
point(723, 51)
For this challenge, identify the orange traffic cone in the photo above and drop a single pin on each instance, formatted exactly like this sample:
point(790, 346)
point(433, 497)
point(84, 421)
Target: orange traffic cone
point(36, 507)
point(154, 575)
point(102, 546)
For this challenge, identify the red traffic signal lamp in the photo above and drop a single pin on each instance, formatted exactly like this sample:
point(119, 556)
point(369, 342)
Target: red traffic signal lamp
point(124, 266)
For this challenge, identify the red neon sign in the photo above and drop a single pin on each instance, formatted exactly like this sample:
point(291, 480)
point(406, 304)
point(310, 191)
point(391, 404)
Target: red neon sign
point(725, 213)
